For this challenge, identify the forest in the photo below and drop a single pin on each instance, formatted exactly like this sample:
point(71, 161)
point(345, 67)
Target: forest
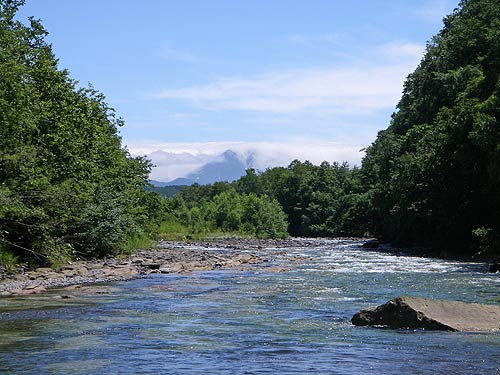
point(69, 189)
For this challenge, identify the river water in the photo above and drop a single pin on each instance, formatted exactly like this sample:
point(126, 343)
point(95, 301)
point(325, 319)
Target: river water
point(257, 321)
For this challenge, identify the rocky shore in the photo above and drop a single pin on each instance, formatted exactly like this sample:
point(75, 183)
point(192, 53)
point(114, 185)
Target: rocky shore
point(167, 257)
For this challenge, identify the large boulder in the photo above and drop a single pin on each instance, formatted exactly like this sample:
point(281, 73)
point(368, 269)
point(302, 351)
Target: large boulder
point(495, 268)
point(371, 244)
point(414, 312)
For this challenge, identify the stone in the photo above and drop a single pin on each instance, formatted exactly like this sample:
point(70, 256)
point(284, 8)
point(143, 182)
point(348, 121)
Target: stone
point(69, 273)
point(371, 244)
point(495, 268)
point(151, 265)
point(246, 258)
point(29, 290)
point(73, 287)
point(415, 312)
point(276, 269)
point(44, 270)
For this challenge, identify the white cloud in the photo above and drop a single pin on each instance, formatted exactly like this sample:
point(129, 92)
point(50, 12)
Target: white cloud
point(175, 160)
point(365, 86)
point(170, 165)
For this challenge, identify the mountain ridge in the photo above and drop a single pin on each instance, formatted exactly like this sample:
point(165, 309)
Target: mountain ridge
point(229, 169)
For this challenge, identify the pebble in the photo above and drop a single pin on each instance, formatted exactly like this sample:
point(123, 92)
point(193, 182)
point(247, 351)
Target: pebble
point(169, 257)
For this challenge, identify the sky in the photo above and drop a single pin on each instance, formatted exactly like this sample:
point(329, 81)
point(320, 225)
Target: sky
point(279, 80)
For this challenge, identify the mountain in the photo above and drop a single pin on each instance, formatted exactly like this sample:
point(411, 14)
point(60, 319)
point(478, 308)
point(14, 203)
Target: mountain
point(158, 183)
point(230, 168)
point(180, 181)
point(226, 167)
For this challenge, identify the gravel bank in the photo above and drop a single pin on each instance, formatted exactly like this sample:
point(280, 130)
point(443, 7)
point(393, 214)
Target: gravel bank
point(168, 257)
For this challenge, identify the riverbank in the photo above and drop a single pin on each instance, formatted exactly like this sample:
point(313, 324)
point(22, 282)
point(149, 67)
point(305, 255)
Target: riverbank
point(292, 311)
point(167, 257)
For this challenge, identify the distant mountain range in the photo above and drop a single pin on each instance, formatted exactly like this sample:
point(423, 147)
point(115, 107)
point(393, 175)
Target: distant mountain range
point(228, 169)
point(176, 182)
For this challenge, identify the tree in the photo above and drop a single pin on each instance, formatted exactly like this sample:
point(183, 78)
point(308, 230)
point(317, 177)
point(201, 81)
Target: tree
point(68, 187)
point(434, 172)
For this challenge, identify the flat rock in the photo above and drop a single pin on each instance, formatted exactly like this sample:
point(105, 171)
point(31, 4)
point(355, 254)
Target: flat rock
point(29, 290)
point(415, 312)
point(172, 268)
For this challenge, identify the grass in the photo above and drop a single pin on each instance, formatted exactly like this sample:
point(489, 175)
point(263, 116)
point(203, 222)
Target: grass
point(172, 230)
point(136, 242)
point(7, 260)
point(175, 231)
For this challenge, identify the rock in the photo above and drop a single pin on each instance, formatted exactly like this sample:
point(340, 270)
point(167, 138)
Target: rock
point(276, 269)
point(73, 287)
point(69, 273)
point(414, 312)
point(371, 244)
point(83, 271)
point(29, 290)
point(246, 258)
point(172, 268)
point(151, 265)
point(44, 270)
point(495, 267)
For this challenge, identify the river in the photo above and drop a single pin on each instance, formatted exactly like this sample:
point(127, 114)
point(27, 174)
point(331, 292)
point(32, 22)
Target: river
point(256, 321)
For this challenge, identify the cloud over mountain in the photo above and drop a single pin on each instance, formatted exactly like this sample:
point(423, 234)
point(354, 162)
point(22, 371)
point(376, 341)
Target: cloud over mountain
point(174, 160)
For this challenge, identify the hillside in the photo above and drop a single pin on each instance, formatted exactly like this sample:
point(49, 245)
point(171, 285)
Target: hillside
point(434, 174)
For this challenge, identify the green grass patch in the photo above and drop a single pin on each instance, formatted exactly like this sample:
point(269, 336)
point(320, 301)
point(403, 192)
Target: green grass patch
point(136, 242)
point(172, 230)
point(7, 260)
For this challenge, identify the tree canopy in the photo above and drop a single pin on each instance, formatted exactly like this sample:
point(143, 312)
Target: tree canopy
point(435, 172)
point(67, 188)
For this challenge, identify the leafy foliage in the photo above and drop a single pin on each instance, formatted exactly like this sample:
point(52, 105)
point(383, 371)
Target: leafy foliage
point(67, 188)
point(435, 172)
point(203, 210)
point(302, 199)
point(324, 200)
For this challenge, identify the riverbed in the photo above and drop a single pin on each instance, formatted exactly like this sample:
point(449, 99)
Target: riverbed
point(289, 315)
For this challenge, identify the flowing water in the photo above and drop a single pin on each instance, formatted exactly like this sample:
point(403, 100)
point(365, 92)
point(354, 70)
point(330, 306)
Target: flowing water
point(257, 321)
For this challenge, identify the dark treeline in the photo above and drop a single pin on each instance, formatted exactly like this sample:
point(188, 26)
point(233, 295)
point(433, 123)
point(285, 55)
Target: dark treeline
point(68, 189)
point(434, 174)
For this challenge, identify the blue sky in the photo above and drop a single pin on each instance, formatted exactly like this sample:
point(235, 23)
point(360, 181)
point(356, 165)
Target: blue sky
point(283, 79)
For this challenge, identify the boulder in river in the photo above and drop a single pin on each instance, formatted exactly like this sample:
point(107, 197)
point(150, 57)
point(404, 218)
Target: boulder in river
point(415, 312)
point(495, 267)
point(371, 244)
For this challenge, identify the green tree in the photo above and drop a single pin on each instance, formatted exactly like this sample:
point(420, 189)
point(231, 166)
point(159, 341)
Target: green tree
point(68, 187)
point(433, 173)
